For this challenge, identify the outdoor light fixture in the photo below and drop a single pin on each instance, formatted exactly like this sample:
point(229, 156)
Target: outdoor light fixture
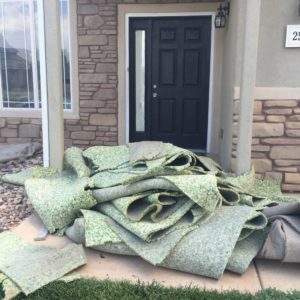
point(223, 13)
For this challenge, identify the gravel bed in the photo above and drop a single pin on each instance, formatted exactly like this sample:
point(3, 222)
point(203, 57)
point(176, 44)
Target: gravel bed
point(14, 205)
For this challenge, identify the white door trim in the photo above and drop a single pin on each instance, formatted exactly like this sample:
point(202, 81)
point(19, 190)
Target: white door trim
point(211, 75)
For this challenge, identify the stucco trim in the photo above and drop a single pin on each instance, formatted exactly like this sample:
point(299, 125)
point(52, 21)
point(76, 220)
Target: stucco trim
point(274, 93)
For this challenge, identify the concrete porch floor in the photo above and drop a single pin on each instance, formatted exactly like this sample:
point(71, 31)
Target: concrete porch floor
point(262, 274)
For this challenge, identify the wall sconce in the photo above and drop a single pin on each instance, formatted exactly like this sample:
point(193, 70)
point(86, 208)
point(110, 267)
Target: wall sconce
point(223, 13)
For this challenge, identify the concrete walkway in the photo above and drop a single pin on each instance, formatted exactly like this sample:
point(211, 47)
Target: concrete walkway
point(261, 274)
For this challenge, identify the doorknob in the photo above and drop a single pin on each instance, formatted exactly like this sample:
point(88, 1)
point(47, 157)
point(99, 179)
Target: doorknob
point(154, 95)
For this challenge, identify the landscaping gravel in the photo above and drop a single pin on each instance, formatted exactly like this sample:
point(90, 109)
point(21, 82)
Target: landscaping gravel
point(14, 205)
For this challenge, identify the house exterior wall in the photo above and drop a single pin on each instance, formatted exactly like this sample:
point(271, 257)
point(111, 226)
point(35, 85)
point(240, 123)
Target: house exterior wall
point(216, 62)
point(97, 30)
point(100, 102)
point(275, 63)
point(20, 130)
point(275, 141)
point(278, 77)
point(276, 145)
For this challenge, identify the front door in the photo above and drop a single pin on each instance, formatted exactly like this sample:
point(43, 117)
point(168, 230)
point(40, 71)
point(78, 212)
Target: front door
point(169, 67)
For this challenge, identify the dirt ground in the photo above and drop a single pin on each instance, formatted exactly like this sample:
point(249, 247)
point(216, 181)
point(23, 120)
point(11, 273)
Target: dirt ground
point(14, 205)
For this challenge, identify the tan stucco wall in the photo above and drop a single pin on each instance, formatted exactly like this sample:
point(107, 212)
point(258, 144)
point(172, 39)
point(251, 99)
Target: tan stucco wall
point(278, 68)
point(277, 65)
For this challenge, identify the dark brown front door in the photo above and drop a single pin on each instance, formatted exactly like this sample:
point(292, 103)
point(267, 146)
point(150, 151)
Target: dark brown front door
point(169, 67)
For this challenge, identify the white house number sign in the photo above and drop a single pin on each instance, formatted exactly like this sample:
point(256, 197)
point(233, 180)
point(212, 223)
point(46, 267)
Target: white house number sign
point(292, 36)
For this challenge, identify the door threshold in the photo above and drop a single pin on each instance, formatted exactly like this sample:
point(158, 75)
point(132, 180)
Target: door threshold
point(202, 152)
point(199, 151)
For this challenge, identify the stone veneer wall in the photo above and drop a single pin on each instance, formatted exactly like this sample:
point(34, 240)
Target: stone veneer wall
point(97, 64)
point(276, 140)
point(20, 130)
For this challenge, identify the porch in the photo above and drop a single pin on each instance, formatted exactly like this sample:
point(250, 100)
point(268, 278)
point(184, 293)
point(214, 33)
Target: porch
point(260, 275)
point(53, 123)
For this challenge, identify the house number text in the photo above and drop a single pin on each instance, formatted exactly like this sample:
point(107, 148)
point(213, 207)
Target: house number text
point(292, 36)
point(296, 36)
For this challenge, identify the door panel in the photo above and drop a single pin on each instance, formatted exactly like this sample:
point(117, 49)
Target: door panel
point(167, 67)
point(191, 74)
point(177, 68)
point(167, 116)
point(190, 116)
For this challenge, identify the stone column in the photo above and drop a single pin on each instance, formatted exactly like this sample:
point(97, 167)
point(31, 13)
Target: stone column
point(248, 81)
point(51, 82)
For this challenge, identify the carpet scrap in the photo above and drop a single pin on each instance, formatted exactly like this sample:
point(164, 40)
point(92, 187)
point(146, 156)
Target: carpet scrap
point(25, 267)
point(154, 200)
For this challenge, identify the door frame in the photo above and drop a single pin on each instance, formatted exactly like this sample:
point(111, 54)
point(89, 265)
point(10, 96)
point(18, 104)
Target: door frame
point(211, 73)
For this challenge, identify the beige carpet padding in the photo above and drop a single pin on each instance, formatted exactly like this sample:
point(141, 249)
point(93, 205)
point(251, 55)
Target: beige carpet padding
point(160, 202)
